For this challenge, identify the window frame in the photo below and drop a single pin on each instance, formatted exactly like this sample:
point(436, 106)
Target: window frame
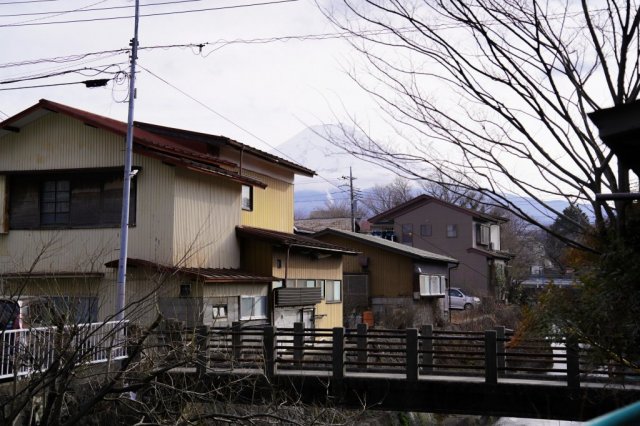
point(407, 233)
point(452, 230)
point(26, 211)
point(425, 284)
point(330, 291)
point(426, 230)
point(248, 206)
point(257, 301)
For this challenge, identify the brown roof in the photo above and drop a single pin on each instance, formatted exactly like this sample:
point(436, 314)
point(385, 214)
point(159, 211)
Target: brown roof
point(391, 246)
point(189, 150)
point(290, 240)
point(182, 136)
point(207, 275)
point(421, 200)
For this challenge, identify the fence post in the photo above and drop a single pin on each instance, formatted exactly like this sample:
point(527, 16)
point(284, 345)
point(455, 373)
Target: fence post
point(490, 364)
point(338, 353)
point(202, 349)
point(363, 354)
point(412, 354)
point(573, 362)
point(298, 342)
point(500, 349)
point(269, 342)
point(236, 340)
point(426, 343)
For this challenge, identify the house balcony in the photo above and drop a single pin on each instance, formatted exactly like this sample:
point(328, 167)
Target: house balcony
point(298, 296)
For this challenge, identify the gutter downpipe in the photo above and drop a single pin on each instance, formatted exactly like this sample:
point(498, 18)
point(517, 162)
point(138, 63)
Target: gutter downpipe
point(126, 185)
point(449, 268)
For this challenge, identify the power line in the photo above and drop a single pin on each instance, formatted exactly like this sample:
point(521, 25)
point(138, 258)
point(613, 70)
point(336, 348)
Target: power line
point(85, 82)
point(97, 9)
point(102, 70)
point(7, 3)
point(178, 12)
point(218, 44)
point(226, 119)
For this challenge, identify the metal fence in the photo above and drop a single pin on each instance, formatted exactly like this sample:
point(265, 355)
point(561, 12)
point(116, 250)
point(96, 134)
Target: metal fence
point(25, 351)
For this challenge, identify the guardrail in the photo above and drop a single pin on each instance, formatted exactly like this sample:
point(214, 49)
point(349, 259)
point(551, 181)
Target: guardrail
point(410, 354)
point(25, 351)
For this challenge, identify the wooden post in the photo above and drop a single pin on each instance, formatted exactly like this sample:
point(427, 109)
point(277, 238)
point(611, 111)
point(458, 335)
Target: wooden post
point(363, 354)
point(490, 362)
point(426, 332)
point(412, 354)
point(236, 340)
point(573, 363)
point(298, 342)
point(269, 346)
point(500, 348)
point(202, 348)
point(338, 353)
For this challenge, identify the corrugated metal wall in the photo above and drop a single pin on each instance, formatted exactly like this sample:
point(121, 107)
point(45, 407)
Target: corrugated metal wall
point(390, 275)
point(303, 266)
point(4, 206)
point(257, 257)
point(207, 211)
point(272, 206)
point(59, 142)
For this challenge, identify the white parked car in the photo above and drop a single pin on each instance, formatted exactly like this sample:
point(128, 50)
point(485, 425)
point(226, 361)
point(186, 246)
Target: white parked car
point(458, 300)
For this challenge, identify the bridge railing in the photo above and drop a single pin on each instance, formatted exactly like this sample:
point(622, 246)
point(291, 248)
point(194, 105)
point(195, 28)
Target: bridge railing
point(25, 351)
point(411, 354)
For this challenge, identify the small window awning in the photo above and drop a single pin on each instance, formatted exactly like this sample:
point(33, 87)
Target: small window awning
point(207, 275)
point(52, 275)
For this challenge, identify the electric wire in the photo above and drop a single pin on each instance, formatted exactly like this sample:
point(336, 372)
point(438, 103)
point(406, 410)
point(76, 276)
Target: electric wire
point(7, 3)
point(147, 15)
point(97, 9)
point(228, 120)
point(44, 85)
point(103, 70)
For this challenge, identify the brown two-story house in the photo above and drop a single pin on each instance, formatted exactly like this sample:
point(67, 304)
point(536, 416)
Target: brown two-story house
point(471, 237)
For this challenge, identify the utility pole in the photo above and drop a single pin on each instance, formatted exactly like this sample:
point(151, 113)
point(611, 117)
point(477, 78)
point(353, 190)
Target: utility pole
point(352, 199)
point(126, 186)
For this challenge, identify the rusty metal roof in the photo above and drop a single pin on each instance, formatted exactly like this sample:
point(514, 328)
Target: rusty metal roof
point(207, 275)
point(188, 150)
point(290, 240)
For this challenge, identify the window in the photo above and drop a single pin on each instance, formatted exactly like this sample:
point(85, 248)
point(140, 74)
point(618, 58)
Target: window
point(425, 230)
point(68, 200)
point(54, 202)
point(253, 307)
point(432, 285)
point(452, 231)
point(219, 311)
point(407, 233)
point(333, 291)
point(483, 234)
point(320, 283)
point(185, 290)
point(247, 197)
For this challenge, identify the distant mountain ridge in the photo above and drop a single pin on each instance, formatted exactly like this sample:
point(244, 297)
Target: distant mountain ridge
point(310, 149)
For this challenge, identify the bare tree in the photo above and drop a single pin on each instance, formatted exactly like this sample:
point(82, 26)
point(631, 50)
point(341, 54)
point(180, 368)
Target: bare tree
point(381, 198)
point(334, 209)
point(503, 88)
point(450, 190)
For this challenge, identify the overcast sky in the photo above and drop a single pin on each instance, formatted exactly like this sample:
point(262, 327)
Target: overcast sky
point(272, 89)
